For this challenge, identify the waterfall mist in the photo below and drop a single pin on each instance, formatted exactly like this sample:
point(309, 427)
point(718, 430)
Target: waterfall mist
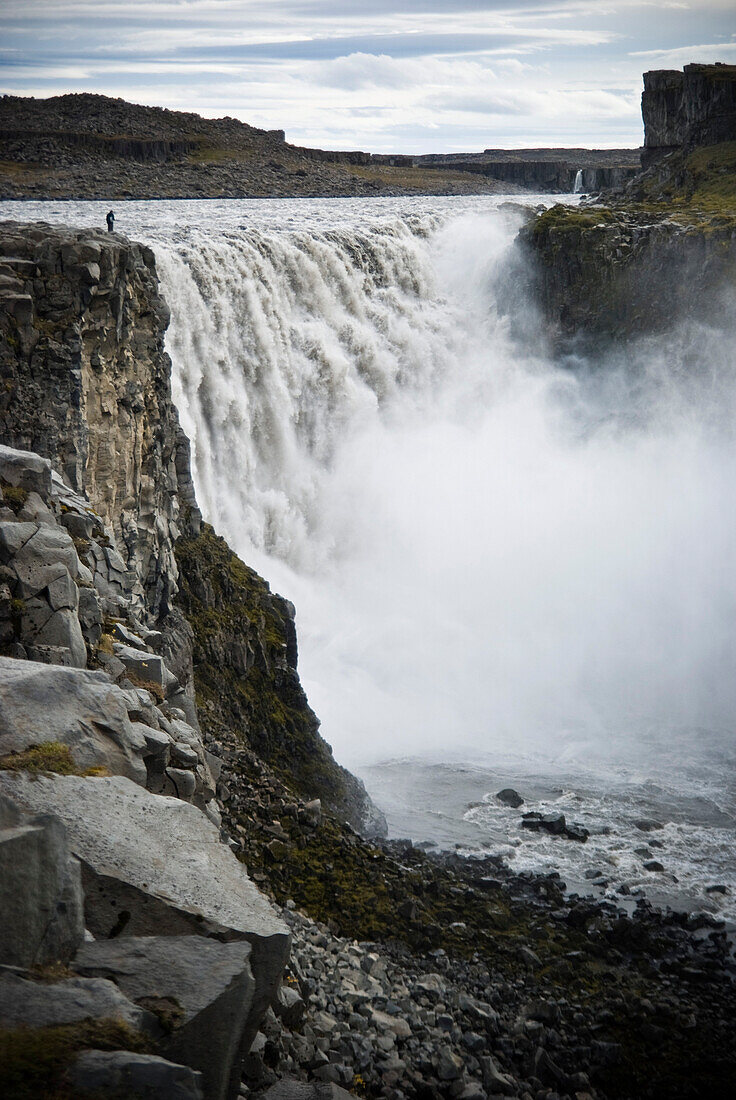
point(489, 551)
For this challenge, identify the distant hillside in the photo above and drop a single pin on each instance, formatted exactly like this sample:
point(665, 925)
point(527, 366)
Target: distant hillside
point(92, 146)
point(551, 170)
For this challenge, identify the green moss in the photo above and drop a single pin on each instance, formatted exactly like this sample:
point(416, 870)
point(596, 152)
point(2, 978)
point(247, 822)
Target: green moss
point(685, 183)
point(33, 1061)
point(49, 756)
point(570, 218)
point(242, 677)
point(13, 495)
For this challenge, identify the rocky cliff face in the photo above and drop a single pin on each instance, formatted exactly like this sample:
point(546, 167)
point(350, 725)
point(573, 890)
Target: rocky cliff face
point(618, 272)
point(687, 109)
point(86, 382)
point(111, 799)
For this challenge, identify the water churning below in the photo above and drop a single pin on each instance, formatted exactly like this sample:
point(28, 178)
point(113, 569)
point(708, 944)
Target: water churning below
point(504, 566)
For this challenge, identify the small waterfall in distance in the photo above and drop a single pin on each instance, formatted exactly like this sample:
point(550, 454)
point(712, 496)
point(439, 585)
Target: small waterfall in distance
point(578, 185)
point(484, 549)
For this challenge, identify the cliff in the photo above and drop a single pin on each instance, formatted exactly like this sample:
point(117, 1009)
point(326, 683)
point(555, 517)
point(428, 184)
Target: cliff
point(686, 109)
point(620, 272)
point(86, 383)
point(552, 171)
point(664, 248)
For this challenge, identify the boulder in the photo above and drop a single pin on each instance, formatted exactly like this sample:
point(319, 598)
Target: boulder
point(208, 984)
point(123, 1075)
point(25, 470)
point(289, 1089)
point(75, 707)
point(41, 902)
point(155, 866)
point(45, 545)
point(42, 626)
point(509, 797)
point(495, 1082)
point(146, 666)
point(25, 1003)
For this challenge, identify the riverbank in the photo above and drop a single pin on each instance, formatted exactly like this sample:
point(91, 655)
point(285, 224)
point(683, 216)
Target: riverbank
point(438, 975)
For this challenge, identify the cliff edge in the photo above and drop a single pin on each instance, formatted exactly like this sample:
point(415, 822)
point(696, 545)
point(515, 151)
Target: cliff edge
point(663, 248)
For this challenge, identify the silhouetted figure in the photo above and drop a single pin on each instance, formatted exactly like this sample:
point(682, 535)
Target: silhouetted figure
point(110, 219)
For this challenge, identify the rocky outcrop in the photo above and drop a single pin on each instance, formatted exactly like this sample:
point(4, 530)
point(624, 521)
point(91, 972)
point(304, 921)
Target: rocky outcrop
point(123, 1075)
point(86, 383)
point(687, 109)
point(619, 272)
point(42, 919)
point(245, 659)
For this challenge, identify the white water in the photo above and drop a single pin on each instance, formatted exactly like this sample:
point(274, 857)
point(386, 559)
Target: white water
point(578, 185)
point(495, 558)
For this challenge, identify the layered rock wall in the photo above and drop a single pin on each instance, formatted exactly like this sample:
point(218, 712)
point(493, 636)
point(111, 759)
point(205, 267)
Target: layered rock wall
point(686, 109)
point(85, 381)
point(622, 272)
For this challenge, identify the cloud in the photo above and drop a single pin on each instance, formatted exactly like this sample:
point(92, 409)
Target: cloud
point(384, 75)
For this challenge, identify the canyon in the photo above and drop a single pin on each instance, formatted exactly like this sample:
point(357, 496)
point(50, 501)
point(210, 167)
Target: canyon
point(197, 899)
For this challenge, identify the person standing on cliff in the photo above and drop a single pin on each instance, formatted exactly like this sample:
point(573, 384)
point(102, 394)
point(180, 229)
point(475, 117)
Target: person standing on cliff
point(110, 219)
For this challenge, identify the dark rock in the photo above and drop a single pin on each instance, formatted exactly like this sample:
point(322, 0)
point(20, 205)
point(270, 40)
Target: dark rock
point(41, 903)
point(122, 1075)
point(510, 797)
point(204, 989)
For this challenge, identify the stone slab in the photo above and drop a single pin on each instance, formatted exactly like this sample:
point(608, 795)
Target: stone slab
point(123, 1075)
point(212, 984)
point(25, 1003)
point(78, 708)
point(41, 902)
point(155, 866)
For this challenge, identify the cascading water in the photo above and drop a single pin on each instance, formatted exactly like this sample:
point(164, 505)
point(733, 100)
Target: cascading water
point(578, 185)
point(510, 569)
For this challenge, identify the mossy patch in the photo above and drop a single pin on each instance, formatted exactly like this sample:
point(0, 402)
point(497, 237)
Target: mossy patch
point(703, 180)
point(13, 496)
point(34, 1061)
point(150, 686)
point(47, 757)
point(244, 656)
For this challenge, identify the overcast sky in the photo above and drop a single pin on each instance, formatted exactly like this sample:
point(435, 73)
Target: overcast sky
point(380, 75)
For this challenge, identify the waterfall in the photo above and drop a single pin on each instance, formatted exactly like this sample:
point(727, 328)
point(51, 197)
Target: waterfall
point(483, 548)
point(578, 185)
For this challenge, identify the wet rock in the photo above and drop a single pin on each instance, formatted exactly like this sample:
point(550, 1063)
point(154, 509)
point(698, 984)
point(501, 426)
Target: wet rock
point(509, 797)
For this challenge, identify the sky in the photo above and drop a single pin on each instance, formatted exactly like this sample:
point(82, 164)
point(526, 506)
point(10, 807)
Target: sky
point(413, 76)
